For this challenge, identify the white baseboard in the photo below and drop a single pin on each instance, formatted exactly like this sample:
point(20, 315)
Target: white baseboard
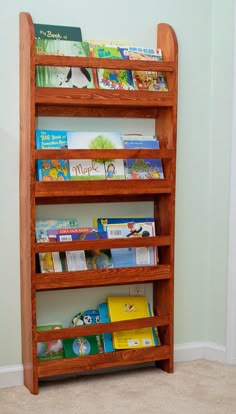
point(11, 376)
point(199, 350)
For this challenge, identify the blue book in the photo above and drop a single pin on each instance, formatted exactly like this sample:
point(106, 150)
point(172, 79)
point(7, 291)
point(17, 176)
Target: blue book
point(105, 318)
point(136, 169)
point(52, 170)
point(119, 227)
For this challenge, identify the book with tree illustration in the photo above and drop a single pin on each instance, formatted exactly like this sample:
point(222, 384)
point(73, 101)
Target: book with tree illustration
point(65, 77)
point(49, 349)
point(136, 169)
point(145, 80)
point(95, 169)
point(111, 78)
point(119, 227)
point(52, 170)
point(54, 32)
point(123, 308)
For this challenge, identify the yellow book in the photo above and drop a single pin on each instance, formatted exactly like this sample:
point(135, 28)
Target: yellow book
point(126, 308)
point(123, 308)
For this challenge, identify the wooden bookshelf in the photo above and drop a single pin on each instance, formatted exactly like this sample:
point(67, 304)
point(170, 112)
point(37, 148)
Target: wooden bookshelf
point(160, 106)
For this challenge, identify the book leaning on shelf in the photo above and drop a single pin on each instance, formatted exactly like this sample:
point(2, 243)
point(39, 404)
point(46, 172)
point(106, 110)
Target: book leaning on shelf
point(95, 169)
point(64, 77)
point(119, 227)
point(145, 80)
point(136, 169)
point(111, 78)
point(51, 261)
point(52, 170)
point(54, 32)
point(123, 308)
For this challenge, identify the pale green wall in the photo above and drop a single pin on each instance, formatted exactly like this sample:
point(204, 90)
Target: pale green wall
point(204, 30)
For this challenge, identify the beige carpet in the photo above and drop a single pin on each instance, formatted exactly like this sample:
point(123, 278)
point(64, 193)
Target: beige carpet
point(197, 387)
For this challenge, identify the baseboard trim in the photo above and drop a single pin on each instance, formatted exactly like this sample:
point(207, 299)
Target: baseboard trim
point(11, 376)
point(199, 350)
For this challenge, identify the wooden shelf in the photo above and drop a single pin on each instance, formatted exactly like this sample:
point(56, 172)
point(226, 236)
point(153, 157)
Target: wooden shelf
point(97, 103)
point(104, 277)
point(108, 360)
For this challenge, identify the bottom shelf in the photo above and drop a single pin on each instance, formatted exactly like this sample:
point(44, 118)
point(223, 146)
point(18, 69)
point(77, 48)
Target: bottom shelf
point(106, 360)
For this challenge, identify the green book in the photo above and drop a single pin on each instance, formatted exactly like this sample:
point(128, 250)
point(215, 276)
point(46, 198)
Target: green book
point(49, 349)
point(83, 345)
point(65, 77)
point(49, 31)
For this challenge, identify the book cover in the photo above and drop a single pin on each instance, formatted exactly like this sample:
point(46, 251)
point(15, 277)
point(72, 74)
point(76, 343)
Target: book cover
point(49, 349)
point(51, 261)
point(83, 345)
point(118, 227)
point(107, 337)
point(136, 169)
point(54, 32)
point(105, 318)
point(67, 77)
point(43, 225)
point(95, 169)
point(123, 308)
point(98, 259)
point(145, 80)
point(79, 259)
point(112, 78)
point(52, 170)
point(127, 308)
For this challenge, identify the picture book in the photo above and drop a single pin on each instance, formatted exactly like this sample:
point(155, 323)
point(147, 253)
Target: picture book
point(51, 261)
point(65, 77)
point(79, 259)
point(136, 169)
point(95, 169)
point(43, 225)
point(49, 349)
point(105, 318)
point(127, 308)
point(87, 317)
point(79, 233)
point(83, 345)
point(145, 80)
point(52, 170)
point(118, 227)
point(98, 259)
point(50, 31)
point(111, 78)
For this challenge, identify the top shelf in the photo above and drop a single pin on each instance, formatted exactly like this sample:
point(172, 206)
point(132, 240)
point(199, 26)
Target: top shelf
point(93, 102)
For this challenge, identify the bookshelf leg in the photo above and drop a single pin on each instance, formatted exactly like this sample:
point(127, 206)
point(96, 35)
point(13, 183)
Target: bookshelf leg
point(166, 365)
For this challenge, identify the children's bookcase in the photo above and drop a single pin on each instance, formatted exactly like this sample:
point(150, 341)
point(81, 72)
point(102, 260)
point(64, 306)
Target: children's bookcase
point(73, 102)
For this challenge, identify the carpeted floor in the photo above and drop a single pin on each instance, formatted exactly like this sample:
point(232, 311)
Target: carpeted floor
point(197, 387)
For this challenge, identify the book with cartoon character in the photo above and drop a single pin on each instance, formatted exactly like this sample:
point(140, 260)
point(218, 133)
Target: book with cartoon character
point(84, 345)
point(123, 308)
point(49, 349)
point(52, 170)
point(64, 77)
point(96, 169)
point(51, 261)
point(118, 227)
point(145, 80)
point(138, 169)
point(111, 78)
